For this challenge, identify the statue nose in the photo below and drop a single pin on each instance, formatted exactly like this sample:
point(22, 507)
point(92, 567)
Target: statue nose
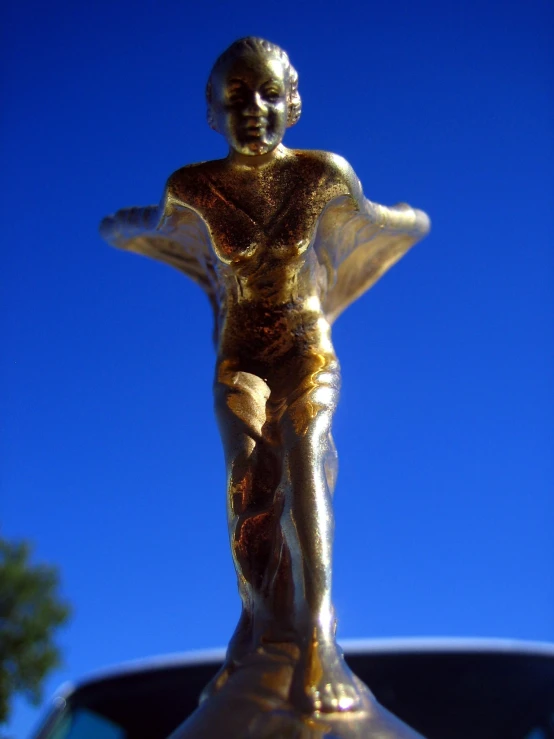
point(255, 105)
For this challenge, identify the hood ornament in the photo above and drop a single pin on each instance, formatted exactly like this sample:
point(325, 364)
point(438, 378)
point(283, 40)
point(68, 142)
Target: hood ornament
point(281, 241)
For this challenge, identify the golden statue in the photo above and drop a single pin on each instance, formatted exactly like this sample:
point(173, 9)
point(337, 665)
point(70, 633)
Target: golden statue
point(282, 241)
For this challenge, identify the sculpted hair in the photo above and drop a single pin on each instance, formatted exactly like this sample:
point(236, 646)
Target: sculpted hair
point(259, 47)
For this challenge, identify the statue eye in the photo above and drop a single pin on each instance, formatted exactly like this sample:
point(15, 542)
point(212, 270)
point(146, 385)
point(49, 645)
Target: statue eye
point(235, 94)
point(272, 94)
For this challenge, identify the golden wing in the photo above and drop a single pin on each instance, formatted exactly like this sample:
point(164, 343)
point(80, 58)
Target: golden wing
point(172, 233)
point(357, 245)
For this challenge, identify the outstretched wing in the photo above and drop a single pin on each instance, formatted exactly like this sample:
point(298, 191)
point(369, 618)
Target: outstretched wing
point(356, 245)
point(172, 233)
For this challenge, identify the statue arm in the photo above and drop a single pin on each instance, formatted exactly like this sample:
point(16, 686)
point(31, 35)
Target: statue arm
point(362, 220)
point(349, 182)
point(358, 241)
point(171, 232)
point(120, 229)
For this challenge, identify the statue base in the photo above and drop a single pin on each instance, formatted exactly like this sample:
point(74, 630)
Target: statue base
point(253, 703)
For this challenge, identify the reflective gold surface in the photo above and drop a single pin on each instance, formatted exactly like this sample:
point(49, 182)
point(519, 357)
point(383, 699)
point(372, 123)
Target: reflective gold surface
point(282, 241)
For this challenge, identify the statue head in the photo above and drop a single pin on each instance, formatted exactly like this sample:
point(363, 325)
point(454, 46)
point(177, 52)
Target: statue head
point(253, 96)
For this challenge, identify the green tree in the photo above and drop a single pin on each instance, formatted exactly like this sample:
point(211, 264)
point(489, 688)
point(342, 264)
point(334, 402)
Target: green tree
point(31, 611)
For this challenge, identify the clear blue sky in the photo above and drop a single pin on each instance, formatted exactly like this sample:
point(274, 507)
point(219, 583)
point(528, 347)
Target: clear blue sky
point(111, 461)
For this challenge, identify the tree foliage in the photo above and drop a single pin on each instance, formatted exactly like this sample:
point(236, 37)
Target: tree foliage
point(31, 611)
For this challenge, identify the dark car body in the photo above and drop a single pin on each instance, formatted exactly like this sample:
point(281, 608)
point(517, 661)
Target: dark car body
point(442, 688)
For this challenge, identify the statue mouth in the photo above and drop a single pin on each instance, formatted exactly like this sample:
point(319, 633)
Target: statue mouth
point(255, 128)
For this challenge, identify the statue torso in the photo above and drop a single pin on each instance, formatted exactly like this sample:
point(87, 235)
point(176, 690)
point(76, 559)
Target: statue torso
point(262, 222)
point(268, 211)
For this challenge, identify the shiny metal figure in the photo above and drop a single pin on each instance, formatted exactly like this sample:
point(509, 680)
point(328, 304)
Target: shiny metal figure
point(282, 241)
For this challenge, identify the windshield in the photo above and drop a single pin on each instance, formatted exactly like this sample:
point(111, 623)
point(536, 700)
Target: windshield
point(84, 724)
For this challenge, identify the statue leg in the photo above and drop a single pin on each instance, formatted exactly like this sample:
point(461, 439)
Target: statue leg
point(322, 680)
point(253, 475)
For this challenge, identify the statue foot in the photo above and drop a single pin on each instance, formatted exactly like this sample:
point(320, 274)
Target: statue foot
point(323, 682)
point(218, 680)
point(239, 646)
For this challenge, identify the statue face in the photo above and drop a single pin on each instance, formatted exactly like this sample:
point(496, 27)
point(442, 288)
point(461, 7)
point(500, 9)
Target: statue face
point(249, 103)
